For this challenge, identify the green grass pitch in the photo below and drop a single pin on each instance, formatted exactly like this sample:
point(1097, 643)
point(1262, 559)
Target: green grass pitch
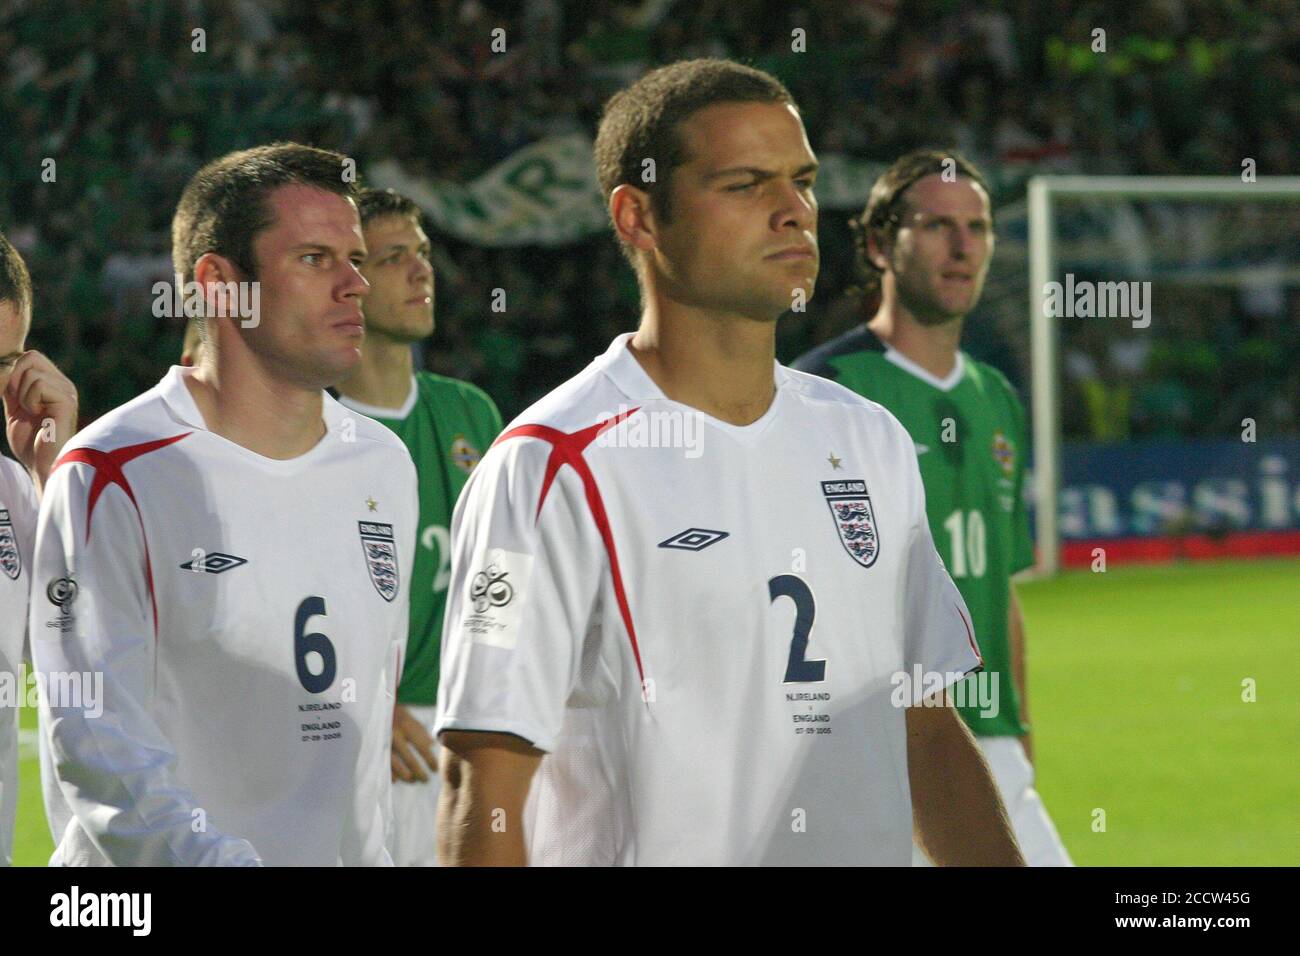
point(1136, 687)
point(32, 843)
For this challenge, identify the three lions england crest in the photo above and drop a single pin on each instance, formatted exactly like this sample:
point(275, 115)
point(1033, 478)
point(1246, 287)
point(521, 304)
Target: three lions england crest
point(381, 557)
point(11, 561)
point(854, 520)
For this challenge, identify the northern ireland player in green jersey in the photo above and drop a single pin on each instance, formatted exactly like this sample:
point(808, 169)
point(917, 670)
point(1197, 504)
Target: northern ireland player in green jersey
point(446, 425)
point(926, 240)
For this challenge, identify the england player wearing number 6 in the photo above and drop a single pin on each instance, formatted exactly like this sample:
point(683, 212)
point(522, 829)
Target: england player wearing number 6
point(685, 651)
point(231, 551)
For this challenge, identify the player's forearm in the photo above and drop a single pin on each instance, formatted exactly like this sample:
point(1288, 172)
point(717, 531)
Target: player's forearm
point(958, 816)
point(466, 836)
point(480, 810)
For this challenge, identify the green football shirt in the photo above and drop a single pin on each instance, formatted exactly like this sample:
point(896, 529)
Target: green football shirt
point(971, 444)
point(446, 425)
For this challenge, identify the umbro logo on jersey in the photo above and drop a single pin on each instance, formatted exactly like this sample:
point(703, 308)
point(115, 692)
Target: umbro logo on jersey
point(854, 520)
point(10, 561)
point(694, 539)
point(921, 449)
point(214, 563)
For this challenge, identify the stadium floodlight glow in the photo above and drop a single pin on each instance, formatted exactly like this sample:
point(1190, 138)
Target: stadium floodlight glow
point(1044, 332)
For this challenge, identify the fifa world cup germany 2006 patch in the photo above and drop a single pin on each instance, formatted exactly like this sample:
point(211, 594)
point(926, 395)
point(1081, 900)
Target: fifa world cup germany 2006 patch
point(854, 520)
point(495, 598)
point(465, 455)
point(381, 557)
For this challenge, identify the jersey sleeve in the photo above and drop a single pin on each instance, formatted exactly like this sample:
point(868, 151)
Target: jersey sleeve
point(368, 838)
point(939, 636)
point(523, 595)
point(92, 615)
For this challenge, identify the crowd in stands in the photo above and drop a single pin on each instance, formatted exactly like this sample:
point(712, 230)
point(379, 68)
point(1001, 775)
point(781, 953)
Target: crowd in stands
point(107, 107)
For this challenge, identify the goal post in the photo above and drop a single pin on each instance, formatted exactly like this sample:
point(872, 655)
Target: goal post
point(1044, 194)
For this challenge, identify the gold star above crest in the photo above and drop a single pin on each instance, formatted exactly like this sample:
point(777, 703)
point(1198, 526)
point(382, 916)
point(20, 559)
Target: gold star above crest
point(372, 504)
point(835, 462)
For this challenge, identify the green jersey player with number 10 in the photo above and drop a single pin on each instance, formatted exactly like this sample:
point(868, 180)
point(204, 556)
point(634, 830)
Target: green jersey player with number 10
point(446, 425)
point(926, 238)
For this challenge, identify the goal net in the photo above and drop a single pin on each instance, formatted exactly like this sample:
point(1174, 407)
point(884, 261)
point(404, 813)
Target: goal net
point(1164, 318)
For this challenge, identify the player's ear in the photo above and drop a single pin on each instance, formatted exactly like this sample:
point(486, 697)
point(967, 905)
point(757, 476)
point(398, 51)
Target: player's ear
point(629, 208)
point(214, 267)
point(878, 249)
point(216, 276)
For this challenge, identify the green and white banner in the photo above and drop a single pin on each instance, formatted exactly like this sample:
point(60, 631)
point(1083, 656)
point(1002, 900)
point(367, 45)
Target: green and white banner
point(547, 195)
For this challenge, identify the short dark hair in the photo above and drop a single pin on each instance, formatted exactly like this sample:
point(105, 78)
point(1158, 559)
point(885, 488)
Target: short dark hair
point(15, 280)
point(888, 199)
point(224, 206)
point(641, 122)
point(375, 203)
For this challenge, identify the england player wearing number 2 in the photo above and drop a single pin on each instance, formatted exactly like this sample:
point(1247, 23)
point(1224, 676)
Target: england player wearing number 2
point(232, 551)
point(689, 654)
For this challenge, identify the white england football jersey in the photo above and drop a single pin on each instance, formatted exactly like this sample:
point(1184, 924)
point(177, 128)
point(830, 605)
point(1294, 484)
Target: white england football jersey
point(248, 616)
point(704, 638)
point(17, 532)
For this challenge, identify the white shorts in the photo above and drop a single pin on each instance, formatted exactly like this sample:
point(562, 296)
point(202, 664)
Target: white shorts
point(415, 811)
point(1014, 776)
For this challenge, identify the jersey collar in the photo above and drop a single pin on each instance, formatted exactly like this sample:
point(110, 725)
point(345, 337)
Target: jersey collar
point(181, 402)
point(945, 384)
point(632, 380)
point(626, 372)
point(177, 395)
point(379, 411)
